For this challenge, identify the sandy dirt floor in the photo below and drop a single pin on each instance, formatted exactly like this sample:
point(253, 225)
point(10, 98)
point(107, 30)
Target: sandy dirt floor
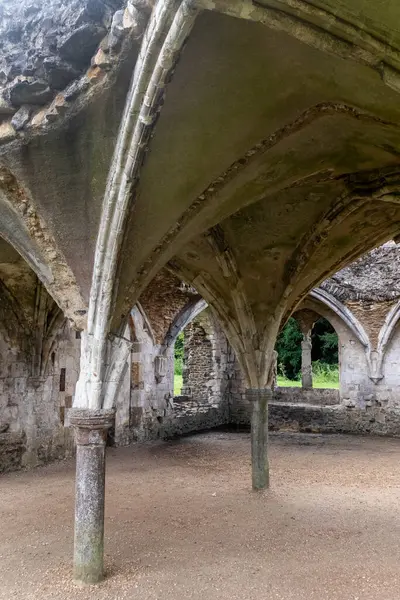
point(182, 523)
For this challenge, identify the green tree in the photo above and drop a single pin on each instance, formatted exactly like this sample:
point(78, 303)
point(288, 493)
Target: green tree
point(324, 343)
point(288, 347)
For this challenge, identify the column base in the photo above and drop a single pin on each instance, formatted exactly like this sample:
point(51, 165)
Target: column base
point(91, 433)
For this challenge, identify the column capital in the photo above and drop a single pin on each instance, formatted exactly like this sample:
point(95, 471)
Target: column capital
point(254, 394)
point(91, 425)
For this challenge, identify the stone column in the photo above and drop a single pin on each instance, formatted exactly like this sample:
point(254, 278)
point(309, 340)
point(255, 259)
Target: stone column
point(306, 365)
point(91, 433)
point(259, 399)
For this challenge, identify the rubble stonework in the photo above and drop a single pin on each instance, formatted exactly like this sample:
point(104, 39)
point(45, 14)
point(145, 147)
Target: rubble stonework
point(53, 52)
point(34, 409)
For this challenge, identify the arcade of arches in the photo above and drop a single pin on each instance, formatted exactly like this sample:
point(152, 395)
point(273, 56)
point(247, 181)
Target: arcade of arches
point(197, 165)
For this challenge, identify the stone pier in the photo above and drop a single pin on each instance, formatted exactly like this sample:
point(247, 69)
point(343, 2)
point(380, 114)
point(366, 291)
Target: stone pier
point(306, 364)
point(259, 399)
point(91, 433)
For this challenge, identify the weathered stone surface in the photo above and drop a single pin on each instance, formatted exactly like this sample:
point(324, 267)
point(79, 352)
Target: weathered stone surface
point(91, 433)
point(102, 59)
point(39, 118)
point(29, 91)
point(375, 277)
point(6, 108)
point(76, 88)
point(51, 42)
point(334, 419)
point(12, 448)
point(7, 132)
point(59, 73)
point(117, 30)
point(298, 395)
point(259, 400)
point(21, 117)
point(79, 46)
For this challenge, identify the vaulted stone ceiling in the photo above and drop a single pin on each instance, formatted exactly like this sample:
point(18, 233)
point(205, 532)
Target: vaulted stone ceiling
point(273, 162)
point(279, 163)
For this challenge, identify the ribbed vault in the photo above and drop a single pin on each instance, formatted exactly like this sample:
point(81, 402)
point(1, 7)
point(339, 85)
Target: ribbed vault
point(272, 164)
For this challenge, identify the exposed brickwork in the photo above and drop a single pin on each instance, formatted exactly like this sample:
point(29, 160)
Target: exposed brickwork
point(162, 301)
point(198, 370)
point(371, 315)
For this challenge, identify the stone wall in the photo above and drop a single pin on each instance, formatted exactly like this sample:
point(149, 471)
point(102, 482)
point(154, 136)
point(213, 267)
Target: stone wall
point(298, 395)
point(311, 418)
point(154, 412)
point(199, 366)
point(355, 385)
point(204, 402)
point(150, 399)
point(34, 410)
point(34, 423)
point(334, 419)
point(371, 315)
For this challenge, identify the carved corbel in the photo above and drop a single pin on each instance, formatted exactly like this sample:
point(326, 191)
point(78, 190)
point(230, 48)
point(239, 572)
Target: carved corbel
point(160, 368)
point(374, 363)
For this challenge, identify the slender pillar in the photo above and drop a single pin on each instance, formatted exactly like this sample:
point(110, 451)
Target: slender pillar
point(306, 365)
point(91, 433)
point(259, 399)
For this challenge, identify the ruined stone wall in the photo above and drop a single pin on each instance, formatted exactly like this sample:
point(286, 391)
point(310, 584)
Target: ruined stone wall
point(356, 389)
point(52, 54)
point(34, 410)
point(151, 396)
point(154, 412)
point(207, 371)
point(199, 368)
point(360, 406)
point(298, 395)
point(334, 419)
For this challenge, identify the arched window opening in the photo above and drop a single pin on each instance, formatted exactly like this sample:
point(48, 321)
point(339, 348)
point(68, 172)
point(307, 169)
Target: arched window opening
point(308, 356)
point(195, 362)
point(288, 347)
point(178, 363)
point(325, 355)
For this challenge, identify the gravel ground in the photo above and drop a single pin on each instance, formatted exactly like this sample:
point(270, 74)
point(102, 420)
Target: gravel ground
point(182, 523)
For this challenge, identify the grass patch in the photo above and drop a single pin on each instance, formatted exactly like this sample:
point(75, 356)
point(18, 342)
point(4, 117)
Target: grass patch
point(324, 376)
point(177, 384)
point(317, 383)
